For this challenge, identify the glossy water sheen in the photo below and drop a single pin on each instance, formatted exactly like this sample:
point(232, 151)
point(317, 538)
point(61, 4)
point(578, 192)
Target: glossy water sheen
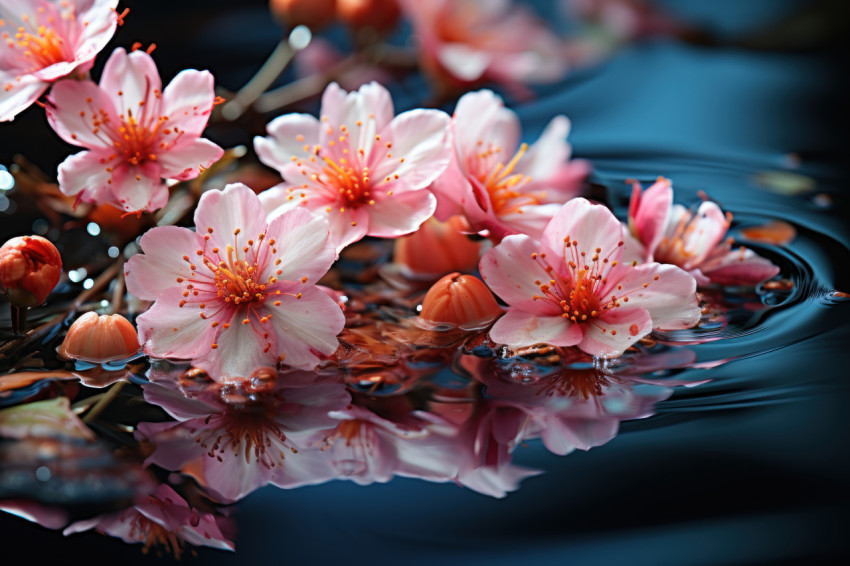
point(747, 468)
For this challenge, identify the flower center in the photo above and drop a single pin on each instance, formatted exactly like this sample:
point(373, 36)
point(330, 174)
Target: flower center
point(578, 291)
point(36, 43)
point(342, 170)
point(154, 535)
point(503, 185)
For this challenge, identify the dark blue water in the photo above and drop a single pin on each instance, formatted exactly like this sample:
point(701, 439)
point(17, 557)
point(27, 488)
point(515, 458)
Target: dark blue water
point(749, 468)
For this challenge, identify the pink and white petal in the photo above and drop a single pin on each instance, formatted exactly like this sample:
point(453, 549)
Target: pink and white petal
point(372, 106)
point(169, 331)
point(740, 267)
point(346, 227)
point(495, 481)
point(20, 96)
point(135, 76)
point(139, 189)
point(158, 269)
point(482, 117)
point(562, 185)
point(549, 152)
point(303, 244)
point(464, 61)
point(522, 328)
point(307, 327)
point(670, 296)
point(530, 219)
point(609, 335)
point(236, 207)
point(241, 349)
point(452, 190)
point(510, 272)
point(591, 226)
point(562, 435)
point(652, 214)
point(101, 20)
point(400, 214)
point(85, 174)
point(306, 467)
point(288, 136)
point(705, 232)
point(186, 161)
point(276, 200)
point(188, 101)
point(420, 151)
point(73, 107)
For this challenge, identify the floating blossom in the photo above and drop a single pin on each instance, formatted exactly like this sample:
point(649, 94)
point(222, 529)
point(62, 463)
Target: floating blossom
point(162, 520)
point(239, 293)
point(136, 133)
point(572, 289)
point(43, 41)
point(694, 241)
point(498, 185)
point(364, 170)
point(466, 42)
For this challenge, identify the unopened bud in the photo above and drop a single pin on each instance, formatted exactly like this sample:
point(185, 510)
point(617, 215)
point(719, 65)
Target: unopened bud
point(30, 267)
point(460, 300)
point(315, 14)
point(435, 249)
point(380, 15)
point(100, 338)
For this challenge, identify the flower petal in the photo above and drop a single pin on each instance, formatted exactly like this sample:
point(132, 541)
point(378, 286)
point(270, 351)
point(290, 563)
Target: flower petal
point(131, 79)
point(590, 226)
point(510, 272)
point(150, 274)
point(400, 214)
point(667, 292)
point(73, 111)
point(609, 335)
point(188, 101)
point(303, 243)
point(420, 148)
point(307, 327)
point(288, 136)
point(521, 328)
point(167, 331)
point(186, 161)
point(236, 207)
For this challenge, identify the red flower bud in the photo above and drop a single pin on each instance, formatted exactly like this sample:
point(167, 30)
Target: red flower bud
point(98, 339)
point(460, 300)
point(380, 15)
point(437, 248)
point(315, 14)
point(30, 267)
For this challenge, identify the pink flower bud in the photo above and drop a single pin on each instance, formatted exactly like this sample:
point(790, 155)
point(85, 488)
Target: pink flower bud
point(315, 14)
point(437, 248)
point(30, 267)
point(460, 300)
point(98, 339)
point(380, 15)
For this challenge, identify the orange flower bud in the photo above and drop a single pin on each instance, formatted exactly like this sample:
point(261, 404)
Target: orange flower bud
point(437, 248)
point(98, 339)
point(30, 267)
point(460, 300)
point(315, 14)
point(380, 15)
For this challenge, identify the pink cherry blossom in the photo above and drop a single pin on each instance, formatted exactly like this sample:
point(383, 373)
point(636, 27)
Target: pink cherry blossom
point(364, 170)
point(239, 293)
point(136, 134)
point(46, 40)
point(694, 241)
point(467, 42)
point(163, 519)
point(498, 185)
point(572, 288)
